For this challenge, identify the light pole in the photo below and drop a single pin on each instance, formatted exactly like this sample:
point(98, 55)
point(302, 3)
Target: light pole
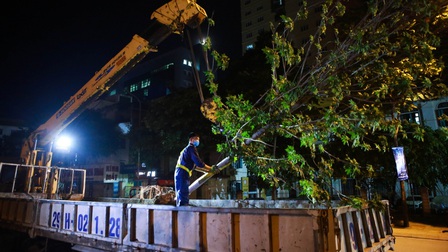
point(132, 97)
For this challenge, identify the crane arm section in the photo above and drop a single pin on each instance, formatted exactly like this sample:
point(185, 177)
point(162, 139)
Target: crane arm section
point(169, 19)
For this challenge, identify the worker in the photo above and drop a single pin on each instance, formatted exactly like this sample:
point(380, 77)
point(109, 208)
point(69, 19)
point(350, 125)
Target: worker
point(188, 161)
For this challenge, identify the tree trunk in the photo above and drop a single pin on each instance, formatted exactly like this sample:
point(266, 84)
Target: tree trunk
point(274, 193)
point(363, 192)
point(426, 208)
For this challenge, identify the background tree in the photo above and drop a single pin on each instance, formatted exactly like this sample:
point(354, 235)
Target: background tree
point(381, 61)
point(426, 162)
point(167, 122)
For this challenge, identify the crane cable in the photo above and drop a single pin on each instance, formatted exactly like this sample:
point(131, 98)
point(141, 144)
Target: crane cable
point(208, 106)
point(195, 70)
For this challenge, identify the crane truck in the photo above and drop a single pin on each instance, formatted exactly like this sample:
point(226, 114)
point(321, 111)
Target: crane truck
point(35, 174)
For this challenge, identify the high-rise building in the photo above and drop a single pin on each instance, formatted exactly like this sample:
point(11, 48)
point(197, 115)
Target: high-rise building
point(258, 15)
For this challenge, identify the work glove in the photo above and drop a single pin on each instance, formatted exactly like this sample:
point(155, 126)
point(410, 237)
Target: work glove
point(214, 169)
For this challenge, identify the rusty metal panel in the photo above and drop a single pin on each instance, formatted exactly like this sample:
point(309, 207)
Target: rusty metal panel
point(56, 218)
point(99, 225)
point(382, 217)
point(99, 221)
point(4, 209)
point(82, 219)
point(218, 228)
point(295, 233)
point(378, 223)
point(141, 225)
point(347, 226)
point(360, 231)
point(163, 224)
point(21, 208)
point(115, 222)
point(368, 230)
point(30, 213)
point(353, 243)
point(188, 224)
point(68, 217)
point(13, 208)
point(343, 232)
point(373, 224)
point(44, 214)
point(254, 229)
point(167, 228)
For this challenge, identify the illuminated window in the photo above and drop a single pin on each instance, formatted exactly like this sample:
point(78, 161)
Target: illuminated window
point(165, 67)
point(248, 47)
point(441, 113)
point(133, 88)
point(277, 3)
point(412, 116)
point(187, 62)
point(145, 83)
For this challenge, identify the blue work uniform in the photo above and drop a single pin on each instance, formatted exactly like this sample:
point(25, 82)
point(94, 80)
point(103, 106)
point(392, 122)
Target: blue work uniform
point(188, 158)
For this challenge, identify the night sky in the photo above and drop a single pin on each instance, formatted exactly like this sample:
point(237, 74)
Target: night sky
point(50, 50)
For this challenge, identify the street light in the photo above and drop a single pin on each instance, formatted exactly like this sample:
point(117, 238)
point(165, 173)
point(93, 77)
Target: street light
point(63, 143)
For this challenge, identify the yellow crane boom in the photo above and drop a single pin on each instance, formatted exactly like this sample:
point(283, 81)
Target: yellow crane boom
point(170, 18)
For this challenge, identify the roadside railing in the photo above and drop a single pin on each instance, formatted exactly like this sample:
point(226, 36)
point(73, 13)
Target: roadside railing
point(32, 181)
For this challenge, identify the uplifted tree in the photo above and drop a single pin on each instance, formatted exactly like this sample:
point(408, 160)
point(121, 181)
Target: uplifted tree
point(364, 65)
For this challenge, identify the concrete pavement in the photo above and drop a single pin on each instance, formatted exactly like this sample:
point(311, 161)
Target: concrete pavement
point(421, 237)
point(422, 230)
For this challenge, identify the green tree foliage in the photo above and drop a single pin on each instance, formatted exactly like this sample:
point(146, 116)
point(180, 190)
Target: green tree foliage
point(345, 88)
